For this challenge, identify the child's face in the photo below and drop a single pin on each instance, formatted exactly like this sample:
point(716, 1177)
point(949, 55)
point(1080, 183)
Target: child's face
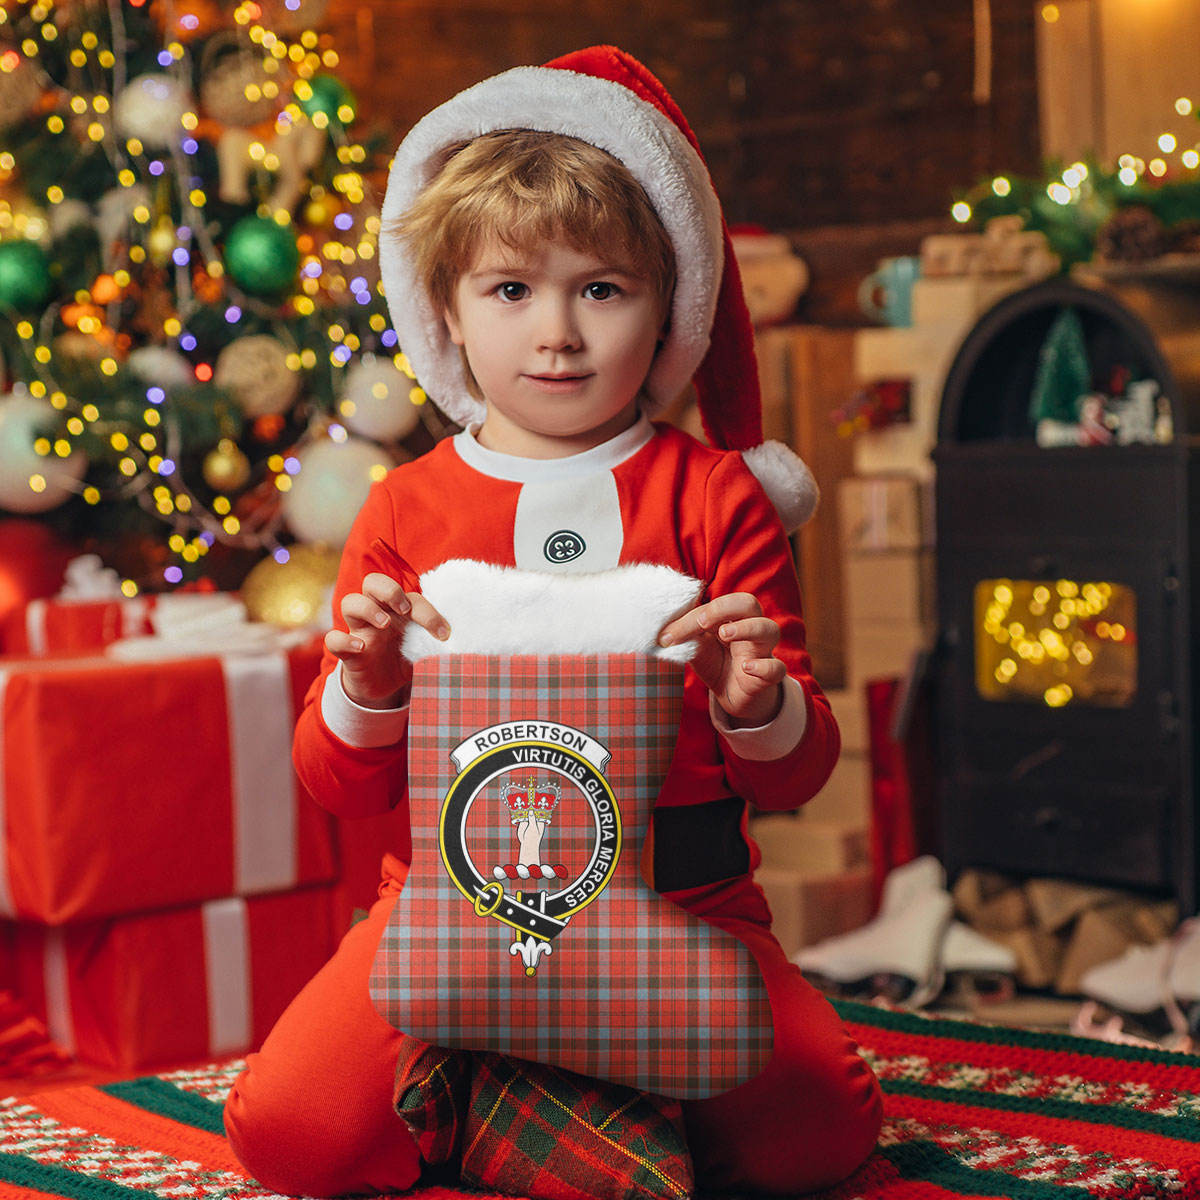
point(559, 342)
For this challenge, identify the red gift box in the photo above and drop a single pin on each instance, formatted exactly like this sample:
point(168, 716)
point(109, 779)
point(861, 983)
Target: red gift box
point(132, 786)
point(52, 625)
point(184, 985)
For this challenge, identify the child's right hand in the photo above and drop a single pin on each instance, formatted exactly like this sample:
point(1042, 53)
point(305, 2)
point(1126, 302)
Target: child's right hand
point(374, 674)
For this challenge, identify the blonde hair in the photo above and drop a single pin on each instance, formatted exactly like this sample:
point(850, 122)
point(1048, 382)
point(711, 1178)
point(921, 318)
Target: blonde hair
point(521, 188)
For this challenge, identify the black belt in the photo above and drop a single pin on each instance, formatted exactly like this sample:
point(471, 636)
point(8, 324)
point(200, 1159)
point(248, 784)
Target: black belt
point(697, 844)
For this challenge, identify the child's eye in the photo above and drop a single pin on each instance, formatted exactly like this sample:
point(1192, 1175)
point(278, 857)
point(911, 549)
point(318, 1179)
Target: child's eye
point(601, 291)
point(512, 291)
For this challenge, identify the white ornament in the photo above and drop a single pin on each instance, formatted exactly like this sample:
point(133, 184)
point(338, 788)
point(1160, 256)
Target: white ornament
point(29, 482)
point(20, 90)
point(330, 488)
point(162, 366)
point(114, 220)
point(151, 108)
point(375, 400)
point(66, 215)
point(255, 370)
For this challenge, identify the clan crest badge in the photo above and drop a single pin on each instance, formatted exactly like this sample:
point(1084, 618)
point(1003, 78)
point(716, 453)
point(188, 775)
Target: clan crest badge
point(519, 783)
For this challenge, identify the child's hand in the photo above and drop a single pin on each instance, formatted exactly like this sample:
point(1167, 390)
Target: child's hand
point(373, 672)
point(734, 656)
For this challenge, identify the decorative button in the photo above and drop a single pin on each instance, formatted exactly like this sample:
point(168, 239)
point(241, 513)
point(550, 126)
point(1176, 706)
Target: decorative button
point(563, 546)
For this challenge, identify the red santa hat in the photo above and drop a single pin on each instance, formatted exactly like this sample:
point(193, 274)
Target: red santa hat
point(607, 98)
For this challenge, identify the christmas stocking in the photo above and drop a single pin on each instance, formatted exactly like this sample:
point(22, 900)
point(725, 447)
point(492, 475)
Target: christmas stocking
point(525, 926)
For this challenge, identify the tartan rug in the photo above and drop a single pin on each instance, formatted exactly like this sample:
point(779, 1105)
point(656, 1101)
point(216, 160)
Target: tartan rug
point(971, 1111)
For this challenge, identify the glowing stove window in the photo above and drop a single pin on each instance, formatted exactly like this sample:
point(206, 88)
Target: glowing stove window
point(1056, 642)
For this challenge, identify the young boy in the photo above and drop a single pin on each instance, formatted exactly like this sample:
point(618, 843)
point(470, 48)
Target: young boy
point(557, 266)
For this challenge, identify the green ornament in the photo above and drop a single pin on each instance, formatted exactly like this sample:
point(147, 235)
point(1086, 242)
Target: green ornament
point(24, 275)
point(262, 256)
point(328, 95)
point(1064, 375)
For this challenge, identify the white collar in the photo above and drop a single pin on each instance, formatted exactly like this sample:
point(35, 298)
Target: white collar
point(513, 469)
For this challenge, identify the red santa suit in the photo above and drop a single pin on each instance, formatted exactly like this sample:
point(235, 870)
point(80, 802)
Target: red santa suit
point(651, 495)
point(313, 1111)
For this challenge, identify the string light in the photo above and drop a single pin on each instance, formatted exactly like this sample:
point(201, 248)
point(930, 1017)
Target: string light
point(1046, 639)
point(135, 447)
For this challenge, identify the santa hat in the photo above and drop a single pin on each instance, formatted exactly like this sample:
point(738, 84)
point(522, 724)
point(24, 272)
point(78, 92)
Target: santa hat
point(607, 98)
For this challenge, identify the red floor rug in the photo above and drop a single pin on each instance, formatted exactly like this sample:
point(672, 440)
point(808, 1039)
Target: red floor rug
point(972, 1110)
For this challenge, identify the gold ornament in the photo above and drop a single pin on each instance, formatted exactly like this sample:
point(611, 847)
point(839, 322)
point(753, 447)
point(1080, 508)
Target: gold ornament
point(236, 88)
point(255, 370)
point(295, 593)
point(226, 468)
point(162, 242)
point(317, 213)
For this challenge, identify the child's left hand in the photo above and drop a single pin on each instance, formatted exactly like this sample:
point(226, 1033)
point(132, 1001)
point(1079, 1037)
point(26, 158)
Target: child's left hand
point(734, 656)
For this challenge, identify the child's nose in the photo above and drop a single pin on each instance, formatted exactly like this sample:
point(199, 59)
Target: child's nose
point(557, 328)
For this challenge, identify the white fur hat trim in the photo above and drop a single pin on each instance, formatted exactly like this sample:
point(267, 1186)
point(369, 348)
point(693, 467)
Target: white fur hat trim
point(505, 610)
point(786, 479)
point(604, 114)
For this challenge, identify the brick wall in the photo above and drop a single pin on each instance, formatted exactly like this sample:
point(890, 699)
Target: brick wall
point(810, 113)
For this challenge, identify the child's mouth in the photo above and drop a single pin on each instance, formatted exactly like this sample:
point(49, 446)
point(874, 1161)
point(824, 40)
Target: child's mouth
point(558, 383)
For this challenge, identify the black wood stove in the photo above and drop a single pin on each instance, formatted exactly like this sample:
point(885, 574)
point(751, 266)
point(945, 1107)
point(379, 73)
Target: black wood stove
point(1068, 656)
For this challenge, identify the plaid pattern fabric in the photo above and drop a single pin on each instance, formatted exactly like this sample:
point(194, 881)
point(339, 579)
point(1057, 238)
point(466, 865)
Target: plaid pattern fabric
point(432, 1086)
point(632, 989)
point(536, 1131)
point(530, 1130)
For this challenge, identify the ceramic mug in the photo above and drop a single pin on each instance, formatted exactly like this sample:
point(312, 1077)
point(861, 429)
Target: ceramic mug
point(886, 294)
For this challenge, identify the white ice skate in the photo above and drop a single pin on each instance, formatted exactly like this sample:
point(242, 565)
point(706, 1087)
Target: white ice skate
point(898, 953)
point(1155, 987)
point(982, 967)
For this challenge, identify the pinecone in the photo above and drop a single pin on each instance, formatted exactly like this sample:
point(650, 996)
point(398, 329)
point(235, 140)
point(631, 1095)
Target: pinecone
point(1132, 234)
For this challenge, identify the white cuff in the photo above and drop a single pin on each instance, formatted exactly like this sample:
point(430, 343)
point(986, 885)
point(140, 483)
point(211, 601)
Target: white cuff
point(765, 743)
point(356, 725)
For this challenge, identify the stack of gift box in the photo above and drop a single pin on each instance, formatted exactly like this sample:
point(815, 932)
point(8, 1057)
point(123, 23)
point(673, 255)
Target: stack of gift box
point(166, 884)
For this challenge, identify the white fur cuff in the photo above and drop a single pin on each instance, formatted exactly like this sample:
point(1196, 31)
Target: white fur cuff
point(503, 610)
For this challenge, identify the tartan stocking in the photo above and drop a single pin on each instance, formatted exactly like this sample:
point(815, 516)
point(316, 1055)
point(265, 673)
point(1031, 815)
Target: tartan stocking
point(525, 926)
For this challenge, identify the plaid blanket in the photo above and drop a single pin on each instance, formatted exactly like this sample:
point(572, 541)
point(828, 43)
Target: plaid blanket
point(578, 964)
point(970, 1111)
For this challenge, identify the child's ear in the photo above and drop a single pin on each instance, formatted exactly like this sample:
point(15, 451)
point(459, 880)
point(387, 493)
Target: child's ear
point(452, 327)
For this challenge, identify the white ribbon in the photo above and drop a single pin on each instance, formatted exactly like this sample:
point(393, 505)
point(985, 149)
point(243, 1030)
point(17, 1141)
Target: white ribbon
point(226, 971)
point(134, 614)
point(6, 900)
point(258, 702)
point(57, 981)
point(227, 975)
point(35, 626)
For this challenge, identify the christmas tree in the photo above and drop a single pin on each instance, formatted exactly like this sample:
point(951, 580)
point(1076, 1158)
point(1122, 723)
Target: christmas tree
point(196, 357)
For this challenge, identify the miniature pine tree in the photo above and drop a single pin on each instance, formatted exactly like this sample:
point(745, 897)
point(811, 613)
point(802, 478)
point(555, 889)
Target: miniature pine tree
point(1063, 375)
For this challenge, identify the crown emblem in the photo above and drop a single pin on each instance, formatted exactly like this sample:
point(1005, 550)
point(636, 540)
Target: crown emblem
point(533, 798)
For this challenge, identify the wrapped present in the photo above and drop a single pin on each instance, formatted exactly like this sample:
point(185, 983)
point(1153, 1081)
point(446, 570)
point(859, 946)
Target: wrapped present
point(88, 611)
point(182, 985)
point(130, 786)
point(140, 626)
point(52, 624)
